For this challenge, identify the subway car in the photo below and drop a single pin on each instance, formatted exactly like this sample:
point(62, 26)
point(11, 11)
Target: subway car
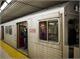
point(52, 33)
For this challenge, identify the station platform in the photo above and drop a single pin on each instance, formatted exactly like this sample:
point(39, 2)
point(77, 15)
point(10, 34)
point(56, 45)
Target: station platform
point(7, 52)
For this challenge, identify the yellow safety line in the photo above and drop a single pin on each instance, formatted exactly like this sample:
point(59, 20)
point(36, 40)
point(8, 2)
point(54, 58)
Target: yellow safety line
point(12, 52)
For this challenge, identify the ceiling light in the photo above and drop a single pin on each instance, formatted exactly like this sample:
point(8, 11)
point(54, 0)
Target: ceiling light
point(4, 5)
point(8, 1)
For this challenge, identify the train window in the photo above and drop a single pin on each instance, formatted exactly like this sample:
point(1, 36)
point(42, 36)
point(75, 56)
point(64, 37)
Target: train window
point(10, 30)
point(76, 7)
point(43, 30)
point(73, 32)
point(48, 30)
point(53, 31)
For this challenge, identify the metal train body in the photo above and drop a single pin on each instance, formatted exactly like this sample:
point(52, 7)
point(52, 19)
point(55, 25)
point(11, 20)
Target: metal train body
point(43, 49)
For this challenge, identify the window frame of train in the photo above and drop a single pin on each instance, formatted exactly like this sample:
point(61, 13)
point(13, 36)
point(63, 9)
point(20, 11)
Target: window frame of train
point(8, 29)
point(52, 20)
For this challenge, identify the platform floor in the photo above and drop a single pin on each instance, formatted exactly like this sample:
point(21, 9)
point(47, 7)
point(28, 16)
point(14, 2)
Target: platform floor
point(7, 52)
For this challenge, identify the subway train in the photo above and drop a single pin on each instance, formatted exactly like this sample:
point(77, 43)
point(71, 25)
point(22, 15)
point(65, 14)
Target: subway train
point(52, 33)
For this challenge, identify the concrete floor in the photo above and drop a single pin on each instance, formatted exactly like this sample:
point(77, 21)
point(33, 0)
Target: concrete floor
point(3, 54)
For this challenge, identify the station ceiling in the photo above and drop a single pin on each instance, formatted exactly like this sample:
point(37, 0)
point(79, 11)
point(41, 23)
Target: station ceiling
point(19, 8)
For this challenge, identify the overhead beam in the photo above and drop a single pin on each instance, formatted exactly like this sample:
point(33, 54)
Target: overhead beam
point(29, 4)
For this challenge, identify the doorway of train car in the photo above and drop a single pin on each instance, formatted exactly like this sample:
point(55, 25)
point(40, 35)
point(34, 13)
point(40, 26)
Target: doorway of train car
point(2, 32)
point(73, 36)
point(22, 36)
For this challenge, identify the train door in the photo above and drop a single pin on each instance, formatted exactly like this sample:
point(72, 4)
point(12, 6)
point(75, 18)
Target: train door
point(22, 37)
point(73, 37)
point(2, 32)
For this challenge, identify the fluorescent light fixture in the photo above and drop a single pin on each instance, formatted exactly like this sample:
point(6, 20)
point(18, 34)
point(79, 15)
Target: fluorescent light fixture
point(4, 5)
point(8, 1)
